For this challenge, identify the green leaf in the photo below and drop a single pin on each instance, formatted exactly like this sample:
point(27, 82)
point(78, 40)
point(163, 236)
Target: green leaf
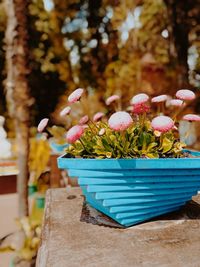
point(113, 138)
point(152, 155)
point(105, 144)
point(166, 145)
point(150, 146)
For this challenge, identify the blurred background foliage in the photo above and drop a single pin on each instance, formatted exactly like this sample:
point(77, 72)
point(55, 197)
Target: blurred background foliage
point(107, 46)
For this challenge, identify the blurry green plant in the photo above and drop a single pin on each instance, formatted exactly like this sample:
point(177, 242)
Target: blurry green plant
point(58, 134)
point(38, 158)
point(24, 243)
point(32, 232)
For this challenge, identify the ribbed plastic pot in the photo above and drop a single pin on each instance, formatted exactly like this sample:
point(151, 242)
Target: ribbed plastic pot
point(131, 191)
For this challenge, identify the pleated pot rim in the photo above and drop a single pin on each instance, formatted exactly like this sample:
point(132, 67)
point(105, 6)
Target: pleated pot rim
point(131, 163)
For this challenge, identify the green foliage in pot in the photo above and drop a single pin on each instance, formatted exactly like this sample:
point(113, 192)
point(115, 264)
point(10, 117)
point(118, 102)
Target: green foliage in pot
point(136, 142)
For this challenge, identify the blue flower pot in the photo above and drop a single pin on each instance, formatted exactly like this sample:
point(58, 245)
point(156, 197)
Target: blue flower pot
point(131, 191)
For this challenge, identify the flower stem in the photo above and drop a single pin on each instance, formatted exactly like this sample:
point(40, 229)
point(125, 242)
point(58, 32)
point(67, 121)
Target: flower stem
point(83, 144)
point(163, 107)
point(178, 111)
point(159, 109)
point(93, 124)
point(123, 134)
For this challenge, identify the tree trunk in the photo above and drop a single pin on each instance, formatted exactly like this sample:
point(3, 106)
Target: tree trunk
point(178, 14)
point(17, 90)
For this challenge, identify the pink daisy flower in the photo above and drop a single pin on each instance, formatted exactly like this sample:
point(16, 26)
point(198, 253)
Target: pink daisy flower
point(65, 111)
point(84, 120)
point(74, 133)
point(140, 108)
point(42, 125)
point(160, 98)
point(191, 117)
point(120, 121)
point(162, 124)
point(75, 96)
point(176, 102)
point(139, 99)
point(98, 116)
point(185, 94)
point(111, 99)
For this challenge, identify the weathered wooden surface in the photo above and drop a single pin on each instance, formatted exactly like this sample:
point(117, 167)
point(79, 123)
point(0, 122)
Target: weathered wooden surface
point(171, 240)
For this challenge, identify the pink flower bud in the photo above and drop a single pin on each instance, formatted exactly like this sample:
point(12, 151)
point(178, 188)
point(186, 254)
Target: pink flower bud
point(176, 102)
point(74, 133)
point(140, 108)
point(160, 98)
point(85, 126)
point(191, 117)
point(162, 124)
point(102, 131)
point(185, 94)
point(65, 111)
point(42, 125)
point(98, 116)
point(84, 120)
point(76, 95)
point(120, 121)
point(139, 99)
point(111, 99)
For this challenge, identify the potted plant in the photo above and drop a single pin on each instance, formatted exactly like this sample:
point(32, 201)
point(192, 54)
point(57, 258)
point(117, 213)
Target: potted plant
point(133, 167)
